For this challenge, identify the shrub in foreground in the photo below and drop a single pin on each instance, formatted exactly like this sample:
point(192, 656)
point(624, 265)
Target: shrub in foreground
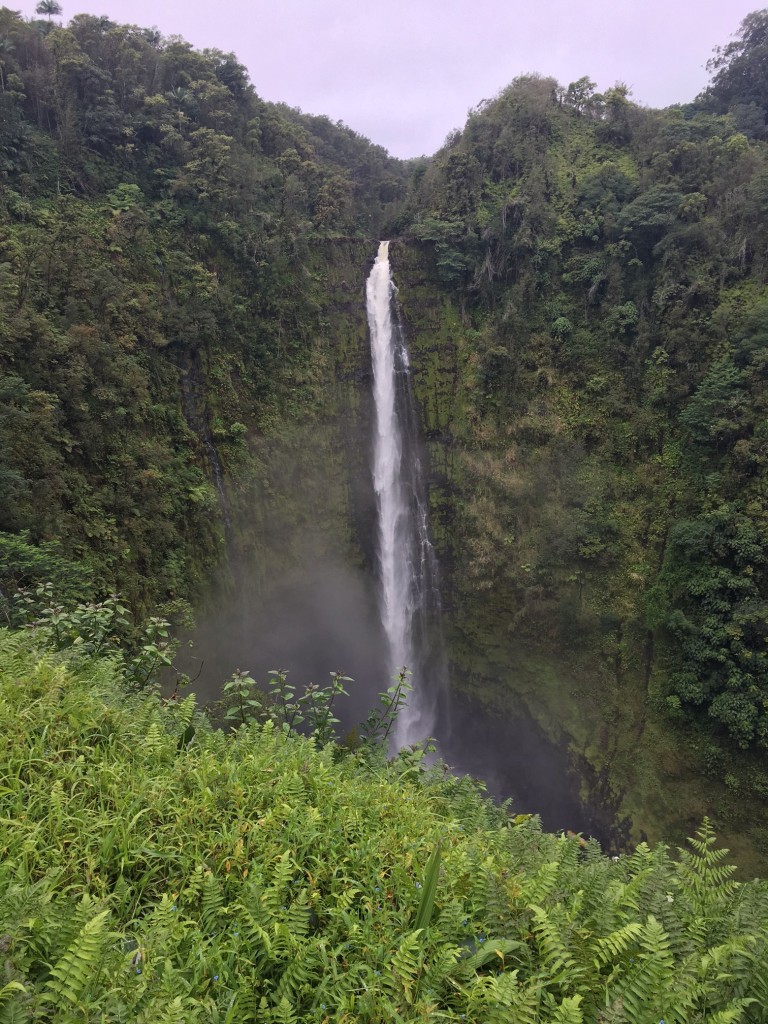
point(157, 870)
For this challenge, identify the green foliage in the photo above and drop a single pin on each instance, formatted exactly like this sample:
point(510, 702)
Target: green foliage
point(104, 628)
point(24, 567)
point(594, 395)
point(718, 617)
point(738, 80)
point(589, 352)
point(257, 875)
point(245, 701)
point(427, 903)
point(78, 968)
point(378, 725)
point(161, 230)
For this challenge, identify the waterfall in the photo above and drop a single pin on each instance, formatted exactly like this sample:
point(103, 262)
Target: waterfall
point(409, 596)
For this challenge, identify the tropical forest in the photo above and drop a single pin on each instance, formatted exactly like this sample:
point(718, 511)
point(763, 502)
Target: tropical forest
point(383, 548)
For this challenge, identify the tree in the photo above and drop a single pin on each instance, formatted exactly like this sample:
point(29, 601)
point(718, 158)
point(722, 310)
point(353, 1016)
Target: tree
point(740, 68)
point(6, 49)
point(178, 97)
point(49, 8)
point(581, 95)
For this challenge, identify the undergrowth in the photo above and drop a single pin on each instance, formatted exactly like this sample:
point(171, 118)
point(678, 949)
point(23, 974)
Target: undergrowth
point(157, 870)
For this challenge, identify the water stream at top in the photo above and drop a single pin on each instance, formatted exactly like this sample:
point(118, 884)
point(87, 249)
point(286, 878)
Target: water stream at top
point(409, 596)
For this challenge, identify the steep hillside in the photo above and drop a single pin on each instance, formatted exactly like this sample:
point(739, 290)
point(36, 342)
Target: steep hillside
point(171, 249)
point(585, 283)
point(155, 870)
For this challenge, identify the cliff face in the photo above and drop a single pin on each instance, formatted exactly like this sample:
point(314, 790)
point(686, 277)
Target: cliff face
point(297, 588)
point(535, 624)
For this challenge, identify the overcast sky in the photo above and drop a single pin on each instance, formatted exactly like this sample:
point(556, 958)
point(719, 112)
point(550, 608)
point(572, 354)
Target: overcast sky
point(405, 72)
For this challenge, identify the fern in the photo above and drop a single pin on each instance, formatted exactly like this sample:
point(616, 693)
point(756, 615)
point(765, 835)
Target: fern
point(704, 880)
point(439, 967)
point(154, 740)
point(212, 902)
point(184, 713)
point(501, 999)
point(77, 967)
point(296, 978)
point(296, 916)
point(274, 897)
point(14, 1004)
point(261, 943)
point(732, 1014)
point(645, 990)
point(542, 883)
point(283, 1013)
point(15, 1010)
point(178, 1011)
point(568, 1012)
point(315, 922)
point(405, 966)
point(244, 1006)
point(559, 968)
point(615, 945)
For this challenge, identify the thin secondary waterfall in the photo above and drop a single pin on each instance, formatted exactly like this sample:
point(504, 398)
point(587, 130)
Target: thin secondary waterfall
point(409, 595)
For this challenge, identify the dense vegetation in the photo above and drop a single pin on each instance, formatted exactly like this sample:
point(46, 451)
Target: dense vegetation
point(157, 870)
point(585, 282)
point(163, 234)
point(595, 388)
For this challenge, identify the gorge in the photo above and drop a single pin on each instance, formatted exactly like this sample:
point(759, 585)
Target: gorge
point(220, 421)
point(187, 399)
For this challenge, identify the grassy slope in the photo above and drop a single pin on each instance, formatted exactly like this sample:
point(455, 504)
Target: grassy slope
point(254, 877)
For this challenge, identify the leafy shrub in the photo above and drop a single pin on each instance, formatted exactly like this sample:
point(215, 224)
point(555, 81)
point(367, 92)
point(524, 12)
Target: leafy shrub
point(259, 876)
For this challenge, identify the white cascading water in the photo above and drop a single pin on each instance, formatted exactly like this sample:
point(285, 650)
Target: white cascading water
point(409, 592)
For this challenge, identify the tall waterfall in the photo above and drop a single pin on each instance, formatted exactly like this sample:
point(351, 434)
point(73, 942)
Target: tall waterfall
point(409, 595)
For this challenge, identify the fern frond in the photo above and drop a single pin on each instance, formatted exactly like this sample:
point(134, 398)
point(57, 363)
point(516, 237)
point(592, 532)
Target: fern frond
point(297, 915)
point(261, 944)
point(646, 989)
point(15, 1010)
point(154, 739)
point(439, 967)
point(732, 1014)
point(558, 963)
point(542, 883)
point(704, 880)
point(501, 999)
point(296, 979)
point(284, 1013)
point(615, 945)
point(274, 896)
point(178, 1011)
point(184, 712)
point(211, 903)
point(71, 974)
point(403, 970)
point(14, 1004)
point(568, 1011)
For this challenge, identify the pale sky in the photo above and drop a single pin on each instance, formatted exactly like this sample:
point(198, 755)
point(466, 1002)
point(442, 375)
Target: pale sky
point(404, 73)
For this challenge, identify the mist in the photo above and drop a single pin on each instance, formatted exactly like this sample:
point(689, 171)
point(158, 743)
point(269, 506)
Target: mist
point(317, 618)
point(302, 597)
